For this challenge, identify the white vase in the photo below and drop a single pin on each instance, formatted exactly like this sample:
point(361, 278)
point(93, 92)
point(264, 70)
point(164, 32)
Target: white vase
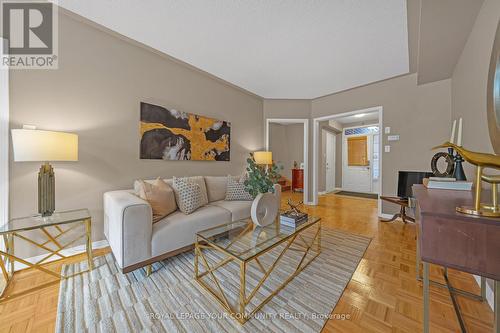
point(264, 209)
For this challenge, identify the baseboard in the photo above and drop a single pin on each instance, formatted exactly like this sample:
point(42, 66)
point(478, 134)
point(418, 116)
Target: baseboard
point(489, 291)
point(385, 216)
point(66, 252)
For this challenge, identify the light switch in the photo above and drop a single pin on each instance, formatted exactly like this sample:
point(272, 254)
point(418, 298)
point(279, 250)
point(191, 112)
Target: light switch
point(387, 149)
point(387, 130)
point(393, 138)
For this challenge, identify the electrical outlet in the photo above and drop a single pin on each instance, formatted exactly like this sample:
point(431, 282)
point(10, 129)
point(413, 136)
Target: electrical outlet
point(393, 138)
point(387, 130)
point(387, 149)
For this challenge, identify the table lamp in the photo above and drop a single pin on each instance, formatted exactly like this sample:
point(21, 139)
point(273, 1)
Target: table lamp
point(263, 157)
point(32, 145)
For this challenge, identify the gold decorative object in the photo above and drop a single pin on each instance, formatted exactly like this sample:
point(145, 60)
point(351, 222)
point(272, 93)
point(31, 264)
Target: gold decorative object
point(294, 207)
point(481, 161)
point(55, 229)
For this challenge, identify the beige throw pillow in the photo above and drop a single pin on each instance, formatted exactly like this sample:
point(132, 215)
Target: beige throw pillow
point(160, 196)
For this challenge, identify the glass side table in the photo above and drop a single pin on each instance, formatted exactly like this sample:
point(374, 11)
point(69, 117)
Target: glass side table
point(52, 234)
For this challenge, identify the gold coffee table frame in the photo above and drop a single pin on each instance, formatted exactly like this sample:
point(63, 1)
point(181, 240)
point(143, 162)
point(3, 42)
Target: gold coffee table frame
point(293, 241)
point(51, 229)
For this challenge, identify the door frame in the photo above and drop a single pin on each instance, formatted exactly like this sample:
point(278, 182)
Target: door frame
point(369, 150)
point(316, 133)
point(4, 139)
point(305, 122)
point(333, 167)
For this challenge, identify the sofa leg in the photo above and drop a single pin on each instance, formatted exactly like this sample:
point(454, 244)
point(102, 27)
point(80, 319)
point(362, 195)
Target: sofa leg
point(149, 268)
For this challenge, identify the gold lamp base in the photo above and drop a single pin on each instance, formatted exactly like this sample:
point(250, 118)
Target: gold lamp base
point(46, 190)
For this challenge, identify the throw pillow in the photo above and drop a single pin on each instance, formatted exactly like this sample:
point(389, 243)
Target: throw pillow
point(200, 180)
point(236, 190)
point(188, 195)
point(160, 196)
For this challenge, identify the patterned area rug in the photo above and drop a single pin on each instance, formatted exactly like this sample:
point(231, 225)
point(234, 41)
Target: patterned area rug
point(170, 300)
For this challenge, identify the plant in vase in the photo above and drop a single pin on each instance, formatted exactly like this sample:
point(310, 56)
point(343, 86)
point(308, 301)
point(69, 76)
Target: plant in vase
point(260, 183)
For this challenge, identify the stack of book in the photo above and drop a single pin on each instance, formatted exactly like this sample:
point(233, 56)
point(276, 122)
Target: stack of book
point(447, 183)
point(292, 219)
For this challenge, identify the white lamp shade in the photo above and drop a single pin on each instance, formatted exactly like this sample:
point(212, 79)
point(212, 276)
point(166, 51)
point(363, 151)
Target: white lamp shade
point(263, 157)
point(44, 146)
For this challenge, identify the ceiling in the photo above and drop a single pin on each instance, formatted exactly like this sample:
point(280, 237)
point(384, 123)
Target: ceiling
point(276, 49)
point(445, 26)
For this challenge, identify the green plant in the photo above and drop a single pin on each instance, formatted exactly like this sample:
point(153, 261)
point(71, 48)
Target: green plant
point(261, 178)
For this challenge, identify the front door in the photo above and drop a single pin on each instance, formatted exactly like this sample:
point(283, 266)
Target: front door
point(357, 175)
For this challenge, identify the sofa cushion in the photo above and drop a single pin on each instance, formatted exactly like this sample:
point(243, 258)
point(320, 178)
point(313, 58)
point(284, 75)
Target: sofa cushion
point(187, 194)
point(216, 187)
point(179, 230)
point(239, 209)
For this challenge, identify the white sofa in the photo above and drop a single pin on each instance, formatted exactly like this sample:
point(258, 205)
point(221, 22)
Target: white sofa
point(137, 242)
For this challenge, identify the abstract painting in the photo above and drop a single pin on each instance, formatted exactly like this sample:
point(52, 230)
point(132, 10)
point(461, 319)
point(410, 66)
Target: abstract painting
point(175, 135)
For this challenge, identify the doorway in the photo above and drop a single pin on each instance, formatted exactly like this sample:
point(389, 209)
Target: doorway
point(330, 162)
point(301, 167)
point(358, 161)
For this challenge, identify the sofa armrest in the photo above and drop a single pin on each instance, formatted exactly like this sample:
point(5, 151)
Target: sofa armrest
point(128, 225)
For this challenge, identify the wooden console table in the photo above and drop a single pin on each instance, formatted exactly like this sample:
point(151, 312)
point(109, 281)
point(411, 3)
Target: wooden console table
point(453, 240)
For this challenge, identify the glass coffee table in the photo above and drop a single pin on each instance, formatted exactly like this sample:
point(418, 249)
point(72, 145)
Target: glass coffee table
point(244, 243)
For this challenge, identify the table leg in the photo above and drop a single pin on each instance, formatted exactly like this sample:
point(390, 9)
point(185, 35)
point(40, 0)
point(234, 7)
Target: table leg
point(426, 297)
point(88, 231)
point(242, 289)
point(483, 288)
point(496, 328)
point(417, 261)
point(196, 249)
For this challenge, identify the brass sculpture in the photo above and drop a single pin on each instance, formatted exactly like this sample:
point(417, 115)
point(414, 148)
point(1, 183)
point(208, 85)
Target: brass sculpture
point(481, 161)
point(294, 208)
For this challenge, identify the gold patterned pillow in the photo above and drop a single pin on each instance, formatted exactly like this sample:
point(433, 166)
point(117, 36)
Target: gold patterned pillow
point(187, 194)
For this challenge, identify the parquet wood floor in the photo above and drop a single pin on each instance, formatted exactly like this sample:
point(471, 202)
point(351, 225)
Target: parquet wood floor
point(383, 295)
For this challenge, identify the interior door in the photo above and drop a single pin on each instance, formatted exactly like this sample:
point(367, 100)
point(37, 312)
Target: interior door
point(357, 175)
point(330, 162)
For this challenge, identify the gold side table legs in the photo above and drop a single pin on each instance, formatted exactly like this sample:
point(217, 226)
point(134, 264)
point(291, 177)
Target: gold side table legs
point(8, 257)
point(88, 232)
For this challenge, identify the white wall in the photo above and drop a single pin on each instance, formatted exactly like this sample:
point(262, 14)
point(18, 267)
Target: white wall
point(287, 144)
point(95, 93)
point(419, 114)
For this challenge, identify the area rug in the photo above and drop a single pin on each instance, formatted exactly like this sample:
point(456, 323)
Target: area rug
point(170, 300)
